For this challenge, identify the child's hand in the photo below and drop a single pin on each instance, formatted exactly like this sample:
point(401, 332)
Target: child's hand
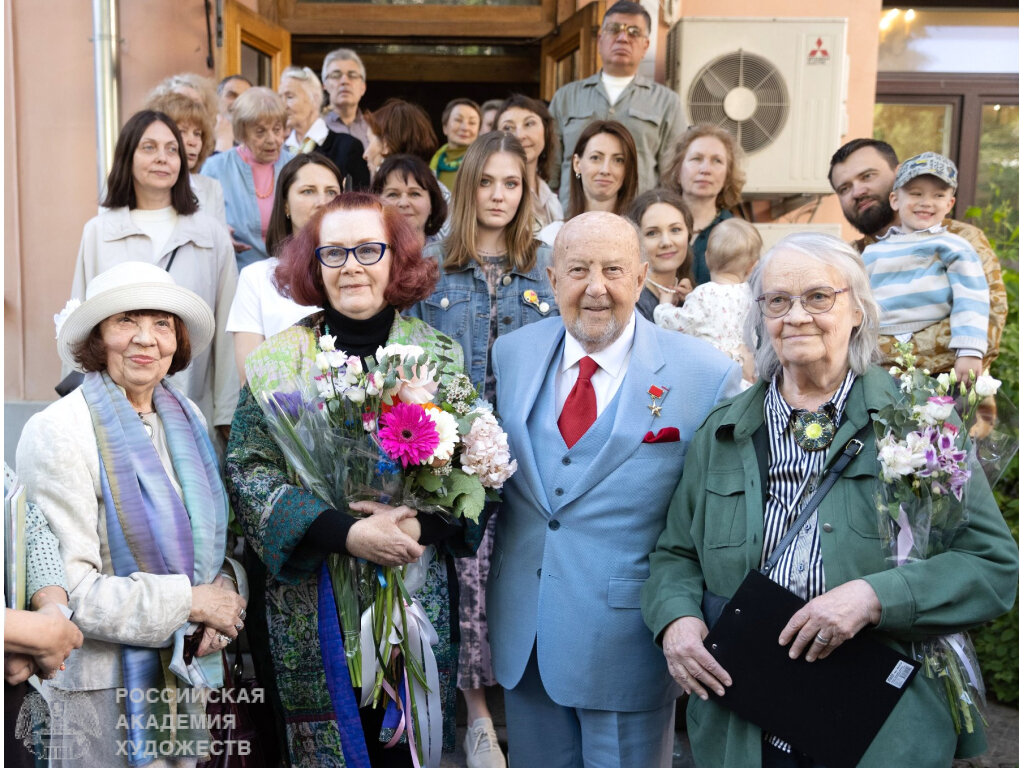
point(963, 367)
point(684, 287)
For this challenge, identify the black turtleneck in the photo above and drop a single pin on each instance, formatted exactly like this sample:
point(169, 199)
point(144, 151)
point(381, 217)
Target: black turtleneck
point(359, 337)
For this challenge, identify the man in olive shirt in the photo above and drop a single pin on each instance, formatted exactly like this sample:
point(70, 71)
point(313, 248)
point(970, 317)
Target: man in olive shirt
point(651, 112)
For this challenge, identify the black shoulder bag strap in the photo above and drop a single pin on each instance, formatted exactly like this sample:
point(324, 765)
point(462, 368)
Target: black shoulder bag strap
point(852, 448)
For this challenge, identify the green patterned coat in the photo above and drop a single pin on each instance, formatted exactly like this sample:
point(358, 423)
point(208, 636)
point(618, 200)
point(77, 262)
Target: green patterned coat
point(275, 515)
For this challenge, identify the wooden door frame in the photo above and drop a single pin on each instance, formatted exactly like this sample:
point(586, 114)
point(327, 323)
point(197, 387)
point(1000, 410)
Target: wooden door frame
point(973, 92)
point(241, 25)
point(578, 32)
point(372, 20)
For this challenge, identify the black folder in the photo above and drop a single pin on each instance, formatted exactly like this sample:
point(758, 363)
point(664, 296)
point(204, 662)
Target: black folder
point(830, 709)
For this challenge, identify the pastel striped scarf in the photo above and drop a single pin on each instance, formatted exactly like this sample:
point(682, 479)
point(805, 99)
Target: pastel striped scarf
point(151, 530)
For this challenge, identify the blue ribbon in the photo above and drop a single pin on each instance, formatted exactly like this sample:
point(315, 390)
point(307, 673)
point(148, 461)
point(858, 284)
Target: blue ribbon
point(339, 683)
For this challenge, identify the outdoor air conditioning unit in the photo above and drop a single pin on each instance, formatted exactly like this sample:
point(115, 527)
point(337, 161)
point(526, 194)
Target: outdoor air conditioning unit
point(778, 85)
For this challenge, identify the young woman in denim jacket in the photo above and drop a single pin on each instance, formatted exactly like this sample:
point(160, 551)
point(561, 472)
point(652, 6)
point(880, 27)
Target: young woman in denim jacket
point(493, 281)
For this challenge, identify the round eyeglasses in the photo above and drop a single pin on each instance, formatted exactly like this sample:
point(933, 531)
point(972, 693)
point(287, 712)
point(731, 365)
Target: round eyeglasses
point(335, 256)
point(815, 301)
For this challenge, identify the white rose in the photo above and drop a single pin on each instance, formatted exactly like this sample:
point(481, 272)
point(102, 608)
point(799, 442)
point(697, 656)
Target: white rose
point(327, 343)
point(986, 385)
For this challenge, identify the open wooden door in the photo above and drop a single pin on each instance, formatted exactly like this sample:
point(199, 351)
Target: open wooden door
point(253, 46)
point(571, 52)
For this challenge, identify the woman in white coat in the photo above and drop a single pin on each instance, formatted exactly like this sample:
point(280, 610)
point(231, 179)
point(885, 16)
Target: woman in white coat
point(124, 472)
point(151, 215)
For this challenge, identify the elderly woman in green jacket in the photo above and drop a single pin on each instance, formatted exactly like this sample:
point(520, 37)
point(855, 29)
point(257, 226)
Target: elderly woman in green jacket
point(817, 326)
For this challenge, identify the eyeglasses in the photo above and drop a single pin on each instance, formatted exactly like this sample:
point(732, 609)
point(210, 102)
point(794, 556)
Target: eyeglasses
point(335, 256)
point(614, 29)
point(815, 301)
point(337, 75)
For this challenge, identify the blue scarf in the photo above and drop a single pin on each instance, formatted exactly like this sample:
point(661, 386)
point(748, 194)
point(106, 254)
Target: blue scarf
point(150, 529)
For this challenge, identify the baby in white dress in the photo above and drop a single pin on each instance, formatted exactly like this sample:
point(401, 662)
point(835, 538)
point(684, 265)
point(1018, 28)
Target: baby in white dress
point(715, 311)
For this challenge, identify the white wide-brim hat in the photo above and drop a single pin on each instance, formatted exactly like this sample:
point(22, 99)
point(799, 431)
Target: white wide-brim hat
point(132, 286)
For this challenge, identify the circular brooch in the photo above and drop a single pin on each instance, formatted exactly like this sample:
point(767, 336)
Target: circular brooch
point(812, 430)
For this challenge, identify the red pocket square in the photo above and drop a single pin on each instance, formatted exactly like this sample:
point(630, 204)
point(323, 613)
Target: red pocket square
point(666, 435)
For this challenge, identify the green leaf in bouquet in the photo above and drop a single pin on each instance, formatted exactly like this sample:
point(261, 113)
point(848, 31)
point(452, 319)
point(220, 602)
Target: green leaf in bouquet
point(464, 494)
point(428, 481)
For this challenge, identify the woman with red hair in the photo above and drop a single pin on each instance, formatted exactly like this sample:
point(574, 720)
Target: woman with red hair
point(359, 261)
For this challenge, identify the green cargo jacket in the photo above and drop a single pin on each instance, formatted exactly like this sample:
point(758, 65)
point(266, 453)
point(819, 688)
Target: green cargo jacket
point(714, 536)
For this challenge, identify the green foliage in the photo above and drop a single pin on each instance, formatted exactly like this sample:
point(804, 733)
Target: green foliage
point(998, 641)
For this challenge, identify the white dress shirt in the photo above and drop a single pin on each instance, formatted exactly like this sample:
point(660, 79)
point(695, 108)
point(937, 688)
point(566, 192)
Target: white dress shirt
point(612, 362)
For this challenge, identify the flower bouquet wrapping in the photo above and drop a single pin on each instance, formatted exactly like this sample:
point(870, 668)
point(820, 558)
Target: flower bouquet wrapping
point(926, 455)
point(397, 433)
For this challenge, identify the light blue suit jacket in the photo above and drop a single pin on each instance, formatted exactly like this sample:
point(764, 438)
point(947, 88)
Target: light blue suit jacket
point(567, 570)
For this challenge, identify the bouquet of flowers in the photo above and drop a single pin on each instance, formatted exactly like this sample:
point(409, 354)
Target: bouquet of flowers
point(926, 459)
point(397, 433)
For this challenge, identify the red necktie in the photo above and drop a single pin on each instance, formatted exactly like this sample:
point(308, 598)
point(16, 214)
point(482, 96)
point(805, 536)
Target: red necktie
point(580, 409)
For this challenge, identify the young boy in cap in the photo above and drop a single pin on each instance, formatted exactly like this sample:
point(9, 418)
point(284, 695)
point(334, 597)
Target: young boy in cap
point(921, 274)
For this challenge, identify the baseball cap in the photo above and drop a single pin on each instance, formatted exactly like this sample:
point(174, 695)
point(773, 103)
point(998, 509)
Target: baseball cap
point(926, 164)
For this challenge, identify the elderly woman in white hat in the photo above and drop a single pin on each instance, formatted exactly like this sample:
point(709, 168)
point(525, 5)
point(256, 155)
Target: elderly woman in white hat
point(124, 471)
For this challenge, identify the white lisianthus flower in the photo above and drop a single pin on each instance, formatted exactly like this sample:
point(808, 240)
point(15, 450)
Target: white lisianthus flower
point(986, 385)
point(374, 383)
point(895, 371)
point(327, 343)
point(943, 380)
point(335, 358)
point(355, 395)
point(322, 362)
point(447, 433)
point(60, 317)
point(896, 459)
point(353, 370)
point(404, 351)
point(935, 411)
point(324, 387)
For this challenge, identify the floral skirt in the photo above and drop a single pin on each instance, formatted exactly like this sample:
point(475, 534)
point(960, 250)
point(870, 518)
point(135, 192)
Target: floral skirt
point(474, 646)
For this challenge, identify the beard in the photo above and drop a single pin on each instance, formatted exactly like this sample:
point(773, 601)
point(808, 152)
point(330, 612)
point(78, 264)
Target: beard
point(871, 220)
point(595, 340)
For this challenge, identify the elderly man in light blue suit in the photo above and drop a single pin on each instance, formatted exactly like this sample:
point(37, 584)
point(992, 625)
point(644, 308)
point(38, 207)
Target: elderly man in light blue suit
point(599, 419)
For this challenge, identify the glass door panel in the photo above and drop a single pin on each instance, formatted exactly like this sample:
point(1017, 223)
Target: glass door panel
point(915, 128)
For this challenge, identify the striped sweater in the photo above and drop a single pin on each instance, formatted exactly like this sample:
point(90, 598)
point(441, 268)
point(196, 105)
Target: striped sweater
point(920, 278)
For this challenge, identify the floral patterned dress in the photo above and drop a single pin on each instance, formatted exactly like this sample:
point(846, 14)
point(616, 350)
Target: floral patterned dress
point(275, 515)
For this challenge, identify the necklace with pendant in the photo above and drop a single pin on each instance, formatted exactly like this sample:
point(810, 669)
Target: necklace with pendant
point(146, 424)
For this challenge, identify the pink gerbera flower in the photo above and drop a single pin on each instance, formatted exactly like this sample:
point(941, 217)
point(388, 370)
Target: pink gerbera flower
point(407, 434)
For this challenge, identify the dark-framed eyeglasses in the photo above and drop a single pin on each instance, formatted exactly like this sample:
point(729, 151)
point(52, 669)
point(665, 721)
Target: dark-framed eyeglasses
point(814, 301)
point(335, 256)
point(613, 29)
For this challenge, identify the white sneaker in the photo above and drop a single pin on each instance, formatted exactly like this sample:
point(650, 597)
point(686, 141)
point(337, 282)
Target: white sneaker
point(481, 744)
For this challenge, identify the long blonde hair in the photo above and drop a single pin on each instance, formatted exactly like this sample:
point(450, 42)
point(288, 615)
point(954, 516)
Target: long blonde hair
point(460, 247)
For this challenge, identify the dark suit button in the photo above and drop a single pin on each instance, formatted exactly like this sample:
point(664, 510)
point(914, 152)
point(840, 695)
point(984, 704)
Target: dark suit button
point(554, 525)
point(827, 527)
point(538, 573)
point(566, 460)
point(506, 320)
point(559, 491)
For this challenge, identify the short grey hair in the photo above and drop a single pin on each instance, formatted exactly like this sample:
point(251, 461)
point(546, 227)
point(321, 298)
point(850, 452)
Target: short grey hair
point(310, 83)
point(832, 252)
point(342, 54)
point(256, 104)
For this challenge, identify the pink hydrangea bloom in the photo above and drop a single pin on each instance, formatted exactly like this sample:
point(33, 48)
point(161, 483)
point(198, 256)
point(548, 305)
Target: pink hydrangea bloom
point(485, 452)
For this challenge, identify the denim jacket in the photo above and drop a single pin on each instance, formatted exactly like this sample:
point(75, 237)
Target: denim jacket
point(460, 305)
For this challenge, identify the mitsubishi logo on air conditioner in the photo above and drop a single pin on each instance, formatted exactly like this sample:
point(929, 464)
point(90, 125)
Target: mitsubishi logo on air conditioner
point(818, 55)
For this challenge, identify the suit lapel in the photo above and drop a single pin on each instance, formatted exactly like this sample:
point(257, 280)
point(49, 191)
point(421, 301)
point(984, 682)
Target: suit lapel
point(524, 447)
point(633, 418)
